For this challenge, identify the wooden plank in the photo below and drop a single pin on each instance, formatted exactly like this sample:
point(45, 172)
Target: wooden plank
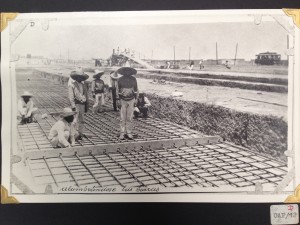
point(110, 148)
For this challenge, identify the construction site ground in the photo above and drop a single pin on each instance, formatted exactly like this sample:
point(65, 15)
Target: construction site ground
point(162, 154)
point(252, 101)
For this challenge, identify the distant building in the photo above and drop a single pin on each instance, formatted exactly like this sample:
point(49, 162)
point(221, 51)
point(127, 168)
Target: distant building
point(268, 58)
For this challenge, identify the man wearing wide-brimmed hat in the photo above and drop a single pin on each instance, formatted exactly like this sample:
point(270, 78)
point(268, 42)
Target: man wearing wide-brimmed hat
point(78, 95)
point(63, 133)
point(98, 91)
point(26, 110)
point(127, 92)
point(114, 76)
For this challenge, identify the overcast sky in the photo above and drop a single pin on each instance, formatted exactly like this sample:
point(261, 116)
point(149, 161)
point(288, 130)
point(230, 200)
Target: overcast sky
point(86, 42)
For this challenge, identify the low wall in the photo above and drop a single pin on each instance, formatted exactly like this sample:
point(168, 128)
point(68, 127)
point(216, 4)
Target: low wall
point(216, 82)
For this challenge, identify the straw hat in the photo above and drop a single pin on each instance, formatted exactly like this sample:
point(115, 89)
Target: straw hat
point(115, 75)
point(67, 112)
point(126, 71)
point(98, 73)
point(26, 93)
point(79, 75)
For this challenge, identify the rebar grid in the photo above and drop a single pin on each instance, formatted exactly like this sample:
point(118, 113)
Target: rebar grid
point(101, 128)
point(202, 165)
point(197, 166)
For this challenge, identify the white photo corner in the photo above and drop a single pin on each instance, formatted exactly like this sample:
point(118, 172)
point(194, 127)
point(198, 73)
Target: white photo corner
point(168, 106)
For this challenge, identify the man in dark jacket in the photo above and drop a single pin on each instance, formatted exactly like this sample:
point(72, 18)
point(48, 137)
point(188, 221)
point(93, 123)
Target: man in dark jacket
point(127, 92)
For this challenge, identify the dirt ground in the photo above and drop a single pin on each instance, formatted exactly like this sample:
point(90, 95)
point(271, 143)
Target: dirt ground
point(238, 99)
point(258, 102)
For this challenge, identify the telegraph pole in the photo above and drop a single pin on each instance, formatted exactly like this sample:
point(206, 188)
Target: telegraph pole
point(236, 48)
point(174, 55)
point(189, 54)
point(151, 55)
point(217, 52)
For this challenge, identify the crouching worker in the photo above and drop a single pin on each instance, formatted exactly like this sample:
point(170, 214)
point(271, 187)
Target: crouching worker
point(98, 91)
point(142, 106)
point(63, 132)
point(26, 110)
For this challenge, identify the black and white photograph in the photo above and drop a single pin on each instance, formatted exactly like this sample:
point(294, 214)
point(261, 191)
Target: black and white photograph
point(150, 106)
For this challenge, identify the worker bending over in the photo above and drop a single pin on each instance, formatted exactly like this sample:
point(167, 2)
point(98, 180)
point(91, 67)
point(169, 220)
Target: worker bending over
point(26, 108)
point(63, 132)
point(142, 106)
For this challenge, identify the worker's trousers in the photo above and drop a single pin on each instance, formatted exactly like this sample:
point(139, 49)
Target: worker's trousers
point(99, 102)
point(79, 119)
point(126, 114)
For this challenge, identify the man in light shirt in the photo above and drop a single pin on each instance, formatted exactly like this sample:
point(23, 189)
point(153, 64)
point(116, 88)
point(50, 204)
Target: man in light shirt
point(63, 132)
point(26, 108)
point(78, 96)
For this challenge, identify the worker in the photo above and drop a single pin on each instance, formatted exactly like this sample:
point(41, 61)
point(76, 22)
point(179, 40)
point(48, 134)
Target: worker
point(98, 91)
point(142, 106)
point(227, 65)
point(114, 76)
point(127, 92)
point(192, 65)
point(200, 64)
point(78, 96)
point(63, 133)
point(26, 110)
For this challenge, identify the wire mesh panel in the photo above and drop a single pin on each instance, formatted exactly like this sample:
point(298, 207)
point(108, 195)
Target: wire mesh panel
point(191, 166)
point(195, 165)
point(101, 128)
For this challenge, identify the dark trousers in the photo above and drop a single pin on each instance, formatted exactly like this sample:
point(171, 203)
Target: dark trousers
point(114, 97)
point(143, 111)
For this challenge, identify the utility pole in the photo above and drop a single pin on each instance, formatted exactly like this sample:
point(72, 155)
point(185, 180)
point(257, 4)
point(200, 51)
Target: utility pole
point(288, 46)
point(68, 55)
point(217, 52)
point(236, 48)
point(189, 54)
point(174, 55)
point(151, 55)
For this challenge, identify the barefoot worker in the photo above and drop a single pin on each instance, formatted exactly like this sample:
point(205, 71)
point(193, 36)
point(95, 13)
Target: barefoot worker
point(78, 96)
point(63, 132)
point(26, 110)
point(127, 92)
point(98, 91)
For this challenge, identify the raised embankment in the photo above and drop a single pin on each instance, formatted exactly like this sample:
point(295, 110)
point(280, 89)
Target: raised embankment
point(272, 84)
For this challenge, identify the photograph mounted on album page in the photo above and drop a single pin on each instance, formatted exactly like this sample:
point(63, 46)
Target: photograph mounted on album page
point(151, 106)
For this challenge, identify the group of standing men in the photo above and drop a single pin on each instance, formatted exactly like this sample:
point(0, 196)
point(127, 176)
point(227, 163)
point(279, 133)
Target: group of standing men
point(69, 127)
point(125, 96)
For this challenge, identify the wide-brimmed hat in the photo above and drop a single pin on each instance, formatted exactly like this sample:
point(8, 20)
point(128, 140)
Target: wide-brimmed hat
point(98, 73)
point(26, 93)
point(126, 71)
point(67, 112)
point(141, 95)
point(79, 75)
point(115, 75)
